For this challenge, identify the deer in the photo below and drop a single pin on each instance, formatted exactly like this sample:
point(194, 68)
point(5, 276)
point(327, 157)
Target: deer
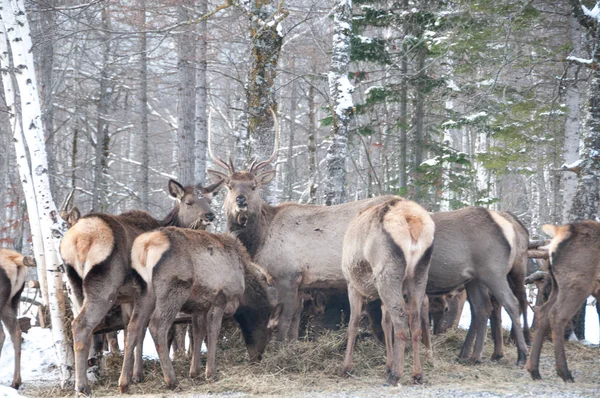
point(207, 275)
point(574, 269)
point(13, 272)
point(96, 252)
point(299, 245)
point(386, 254)
point(476, 248)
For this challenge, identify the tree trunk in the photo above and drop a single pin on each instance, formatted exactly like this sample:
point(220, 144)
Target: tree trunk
point(260, 94)
point(312, 147)
point(102, 137)
point(16, 30)
point(144, 147)
point(403, 152)
point(289, 173)
point(201, 95)
point(573, 98)
point(340, 90)
point(186, 109)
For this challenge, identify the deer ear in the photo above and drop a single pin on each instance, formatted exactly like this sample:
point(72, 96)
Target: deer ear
point(219, 176)
point(29, 261)
point(265, 177)
point(176, 189)
point(214, 188)
point(70, 216)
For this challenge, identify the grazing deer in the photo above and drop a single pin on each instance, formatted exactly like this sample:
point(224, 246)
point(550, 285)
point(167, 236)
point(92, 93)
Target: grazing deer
point(300, 246)
point(474, 247)
point(13, 271)
point(574, 267)
point(491, 309)
point(96, 251)
point(445, 310)
point(386, 254)
point(204, 274)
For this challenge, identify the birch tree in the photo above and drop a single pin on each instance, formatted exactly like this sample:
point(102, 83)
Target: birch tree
point(27, 123)
point(340, 90)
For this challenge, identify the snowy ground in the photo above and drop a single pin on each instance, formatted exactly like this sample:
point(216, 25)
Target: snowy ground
point(38, 357)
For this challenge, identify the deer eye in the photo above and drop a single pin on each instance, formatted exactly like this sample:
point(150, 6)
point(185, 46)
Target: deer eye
point(189, 202)
point(253, 187)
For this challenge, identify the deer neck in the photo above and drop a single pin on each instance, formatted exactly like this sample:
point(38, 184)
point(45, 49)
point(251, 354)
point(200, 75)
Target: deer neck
point(252, 233)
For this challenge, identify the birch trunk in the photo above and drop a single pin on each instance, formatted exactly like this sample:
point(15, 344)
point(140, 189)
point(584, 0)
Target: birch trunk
point(186, 108)
point(340, 90)
point(573, 98)
point(17, 31)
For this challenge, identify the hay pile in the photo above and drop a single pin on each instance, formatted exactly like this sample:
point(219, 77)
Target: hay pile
point(312, 367)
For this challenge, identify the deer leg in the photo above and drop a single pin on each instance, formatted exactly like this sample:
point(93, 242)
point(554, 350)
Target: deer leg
point(198, 334)
point(287, 294)
point(425, 324)
point(517, 283)
point(416, 297)
point(162, 318)
point(356, 302)
point(213, 327)
point(9, 318)
point(295, 323)
point(90, 315)
point(388, 337)
point(480, 312)
point(496, 327)
point(500, 289)
point(136, 329)
point(542, 327)
point(559, 315)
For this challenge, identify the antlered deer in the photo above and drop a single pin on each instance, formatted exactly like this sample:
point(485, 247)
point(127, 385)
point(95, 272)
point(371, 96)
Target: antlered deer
point(13, 271)
point(574, 267)
point(207, 275)
point(299, 245)
point(386, 254)
point(96, 250)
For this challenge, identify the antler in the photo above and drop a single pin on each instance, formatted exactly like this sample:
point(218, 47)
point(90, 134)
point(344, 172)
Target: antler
point(215, 159)
point(254, 167)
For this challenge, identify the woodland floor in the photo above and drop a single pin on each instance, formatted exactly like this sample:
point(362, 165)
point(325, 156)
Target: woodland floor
point(311, 368)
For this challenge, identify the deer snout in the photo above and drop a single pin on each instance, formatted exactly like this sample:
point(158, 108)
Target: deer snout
point(241, 201)
point(210, 217)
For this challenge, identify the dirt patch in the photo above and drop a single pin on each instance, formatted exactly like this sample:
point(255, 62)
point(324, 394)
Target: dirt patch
point(312, 367)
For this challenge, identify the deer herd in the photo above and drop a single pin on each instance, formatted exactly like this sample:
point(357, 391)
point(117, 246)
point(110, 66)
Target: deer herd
point(386, 252)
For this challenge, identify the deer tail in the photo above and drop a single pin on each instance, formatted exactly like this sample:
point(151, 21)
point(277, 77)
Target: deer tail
point(147, 251)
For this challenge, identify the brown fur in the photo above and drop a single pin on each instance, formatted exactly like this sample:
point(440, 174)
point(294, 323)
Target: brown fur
point(386, 254)
point(574, 267)
point(97, 254)
point(13, 272)
point(194, 272)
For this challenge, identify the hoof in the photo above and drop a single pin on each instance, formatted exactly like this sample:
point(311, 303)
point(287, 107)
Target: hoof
point(16, 384)
point(137, 378)
point(497, 357)
point(83, 391)
point(173, 385)
point(567, 378)
point(535, 374)
point(418, 379)
point(123, 388)
point(346, 372)
point(392, 380)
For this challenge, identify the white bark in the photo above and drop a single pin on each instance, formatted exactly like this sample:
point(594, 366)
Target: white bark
point(340, 90)
point(16, 30)
point(573, 100)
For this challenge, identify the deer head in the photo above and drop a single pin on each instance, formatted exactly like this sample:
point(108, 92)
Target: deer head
point(194, 203)
point(243, 198)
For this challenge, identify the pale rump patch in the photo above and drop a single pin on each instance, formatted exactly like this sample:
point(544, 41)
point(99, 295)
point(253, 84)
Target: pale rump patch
point(12, 263)
point(86, 244)
point(411, 228)
point(558, 233)
point(264, 272)
point(509, 233)
point(146, 252)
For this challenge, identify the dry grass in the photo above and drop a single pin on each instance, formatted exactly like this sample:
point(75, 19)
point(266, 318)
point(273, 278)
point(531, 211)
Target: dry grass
point(313, 367)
